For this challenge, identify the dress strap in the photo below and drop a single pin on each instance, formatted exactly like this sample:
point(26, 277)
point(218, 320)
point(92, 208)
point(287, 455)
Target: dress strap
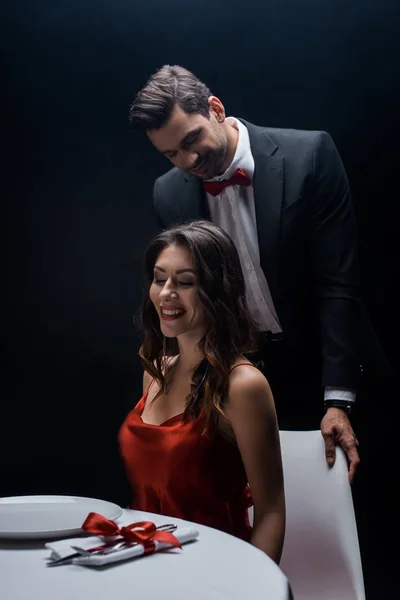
point(149, 386)
point(249, 364)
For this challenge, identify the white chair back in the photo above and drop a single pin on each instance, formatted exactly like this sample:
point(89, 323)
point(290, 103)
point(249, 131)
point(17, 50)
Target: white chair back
point(321, 554)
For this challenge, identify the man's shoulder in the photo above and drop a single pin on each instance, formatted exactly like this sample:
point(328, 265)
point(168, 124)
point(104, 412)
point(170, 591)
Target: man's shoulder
point(286, 138)
point(172, 177)
point(305, 135)
point(169, 191)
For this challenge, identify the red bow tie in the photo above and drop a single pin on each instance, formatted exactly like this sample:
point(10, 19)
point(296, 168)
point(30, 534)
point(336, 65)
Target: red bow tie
point(238, 178)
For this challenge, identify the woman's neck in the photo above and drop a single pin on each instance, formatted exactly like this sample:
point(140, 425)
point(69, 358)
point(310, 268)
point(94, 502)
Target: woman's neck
point(189, 354)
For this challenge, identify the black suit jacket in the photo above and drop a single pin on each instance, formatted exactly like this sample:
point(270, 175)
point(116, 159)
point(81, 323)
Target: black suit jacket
point(308, 245)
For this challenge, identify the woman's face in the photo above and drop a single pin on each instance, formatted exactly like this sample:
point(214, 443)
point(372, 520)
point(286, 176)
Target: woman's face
point(174, 294)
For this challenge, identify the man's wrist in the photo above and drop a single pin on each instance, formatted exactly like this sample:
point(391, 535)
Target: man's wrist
point(344, 405)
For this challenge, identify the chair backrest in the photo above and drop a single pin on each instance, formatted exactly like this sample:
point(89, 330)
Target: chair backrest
point(321, 554)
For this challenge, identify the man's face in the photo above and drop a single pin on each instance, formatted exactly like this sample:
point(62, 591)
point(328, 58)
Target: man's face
point(194, 143)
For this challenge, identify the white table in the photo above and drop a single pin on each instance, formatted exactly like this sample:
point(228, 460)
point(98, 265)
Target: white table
point(215, 567)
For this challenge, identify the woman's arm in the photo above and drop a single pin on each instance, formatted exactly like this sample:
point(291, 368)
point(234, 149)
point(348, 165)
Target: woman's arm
point(251, 412)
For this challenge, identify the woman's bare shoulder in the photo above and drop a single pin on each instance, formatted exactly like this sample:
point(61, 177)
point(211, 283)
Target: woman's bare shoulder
point(247, 382)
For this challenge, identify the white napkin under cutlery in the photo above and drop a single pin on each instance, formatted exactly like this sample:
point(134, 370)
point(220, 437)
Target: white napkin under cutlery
point(63, 549)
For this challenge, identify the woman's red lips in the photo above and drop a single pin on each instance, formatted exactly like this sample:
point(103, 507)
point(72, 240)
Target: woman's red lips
point(170, 314)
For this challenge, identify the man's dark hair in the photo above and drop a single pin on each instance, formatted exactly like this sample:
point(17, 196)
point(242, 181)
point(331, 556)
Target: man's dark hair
point(166, 88)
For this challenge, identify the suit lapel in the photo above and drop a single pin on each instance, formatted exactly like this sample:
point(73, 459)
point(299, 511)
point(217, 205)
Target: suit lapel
point(268, 196)
point(192, 199)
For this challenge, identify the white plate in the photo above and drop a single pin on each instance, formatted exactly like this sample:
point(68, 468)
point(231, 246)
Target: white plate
point(32, 517)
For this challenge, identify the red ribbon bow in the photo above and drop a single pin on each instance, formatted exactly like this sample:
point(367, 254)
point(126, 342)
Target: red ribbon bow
point(144, 532)
point(239, 177)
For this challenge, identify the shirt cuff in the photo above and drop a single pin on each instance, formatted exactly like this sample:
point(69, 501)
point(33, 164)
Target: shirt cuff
point(332, 393)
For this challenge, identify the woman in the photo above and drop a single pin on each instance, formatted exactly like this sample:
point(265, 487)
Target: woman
point(205, 430)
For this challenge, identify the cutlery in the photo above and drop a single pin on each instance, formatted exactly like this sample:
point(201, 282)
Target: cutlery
point(103, 549)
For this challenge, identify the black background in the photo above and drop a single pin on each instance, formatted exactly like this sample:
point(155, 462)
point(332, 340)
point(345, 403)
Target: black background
point(76, 195)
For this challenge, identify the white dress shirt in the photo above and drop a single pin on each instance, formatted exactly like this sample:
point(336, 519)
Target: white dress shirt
point(233, 209)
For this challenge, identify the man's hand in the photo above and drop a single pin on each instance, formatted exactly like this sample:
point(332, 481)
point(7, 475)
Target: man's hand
point(336, 429)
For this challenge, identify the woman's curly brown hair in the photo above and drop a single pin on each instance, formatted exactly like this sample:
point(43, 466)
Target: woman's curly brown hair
point(230, 329)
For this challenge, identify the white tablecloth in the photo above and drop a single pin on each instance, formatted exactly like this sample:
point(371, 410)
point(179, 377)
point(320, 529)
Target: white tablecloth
point(215, 567)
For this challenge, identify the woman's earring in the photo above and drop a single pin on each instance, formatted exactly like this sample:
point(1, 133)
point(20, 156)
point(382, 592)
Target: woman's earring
point(165, 363)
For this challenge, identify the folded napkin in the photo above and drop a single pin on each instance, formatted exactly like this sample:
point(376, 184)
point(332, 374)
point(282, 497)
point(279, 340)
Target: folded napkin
point(144, 537)
point(63, 548)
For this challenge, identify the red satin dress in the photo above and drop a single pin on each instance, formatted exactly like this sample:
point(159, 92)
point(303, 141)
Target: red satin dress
point(176, 470)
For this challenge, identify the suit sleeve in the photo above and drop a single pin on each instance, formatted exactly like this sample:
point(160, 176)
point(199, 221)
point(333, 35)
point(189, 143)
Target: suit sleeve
point(334, 258)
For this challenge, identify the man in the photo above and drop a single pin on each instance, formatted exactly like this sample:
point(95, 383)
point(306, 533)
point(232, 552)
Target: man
point(283, 197)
